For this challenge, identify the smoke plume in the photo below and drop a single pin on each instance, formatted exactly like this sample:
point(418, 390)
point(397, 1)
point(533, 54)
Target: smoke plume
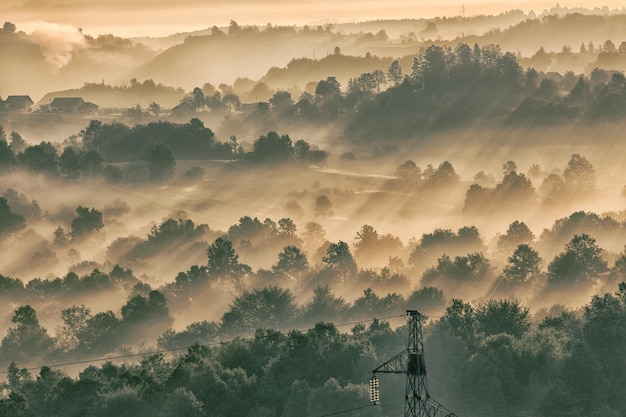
point(57, 41)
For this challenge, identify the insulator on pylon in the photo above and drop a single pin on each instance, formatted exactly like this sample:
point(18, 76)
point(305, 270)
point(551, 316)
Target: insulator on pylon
point(374, 390)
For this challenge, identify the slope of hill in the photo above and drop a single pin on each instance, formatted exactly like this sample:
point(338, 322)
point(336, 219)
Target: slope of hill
point(220, 58)
point(286, 56)
point(57, 58)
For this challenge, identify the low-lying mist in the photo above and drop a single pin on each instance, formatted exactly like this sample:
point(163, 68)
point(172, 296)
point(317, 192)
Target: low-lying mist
point(404, 195)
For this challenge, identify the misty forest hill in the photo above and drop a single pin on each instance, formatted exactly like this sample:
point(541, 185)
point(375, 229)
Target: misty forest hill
point(36, 64)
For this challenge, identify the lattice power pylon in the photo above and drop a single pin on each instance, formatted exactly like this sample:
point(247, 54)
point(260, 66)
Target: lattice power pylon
point(411, 362)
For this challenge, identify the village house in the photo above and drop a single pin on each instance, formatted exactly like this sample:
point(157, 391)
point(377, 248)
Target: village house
point(183, 109)
point(17, 103)
point(72, 105)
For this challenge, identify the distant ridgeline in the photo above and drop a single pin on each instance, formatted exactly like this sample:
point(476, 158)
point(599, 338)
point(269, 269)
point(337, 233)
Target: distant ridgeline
point(109, 96)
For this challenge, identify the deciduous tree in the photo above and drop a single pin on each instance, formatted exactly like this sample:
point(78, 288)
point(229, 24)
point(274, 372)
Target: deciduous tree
point(580, 263)
point(267, 307)
point(522, 266)
point(224, 261)
point(28, 341)
point(10, 222)
point(291, 262)
point(339, 258)
point(87, 222)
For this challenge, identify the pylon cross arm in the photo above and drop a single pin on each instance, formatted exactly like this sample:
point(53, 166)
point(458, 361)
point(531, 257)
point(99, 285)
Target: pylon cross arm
point(395, 365)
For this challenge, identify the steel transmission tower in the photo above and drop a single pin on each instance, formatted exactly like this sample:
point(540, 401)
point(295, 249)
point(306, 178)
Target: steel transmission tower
point(411, 362)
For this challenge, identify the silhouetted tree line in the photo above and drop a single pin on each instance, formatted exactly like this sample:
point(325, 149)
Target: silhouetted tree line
point(120, 143)
point(170, 235)
point(86, 223)
point(147, 86)
point(68, 286)
point(159, 144)
point(515, 191)
point(303, 261)
point(213, 100)
point(452, 263)
point(273, 148)
point(82, 333)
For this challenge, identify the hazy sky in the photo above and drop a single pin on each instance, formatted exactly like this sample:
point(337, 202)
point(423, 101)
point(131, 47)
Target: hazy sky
point(162, 17)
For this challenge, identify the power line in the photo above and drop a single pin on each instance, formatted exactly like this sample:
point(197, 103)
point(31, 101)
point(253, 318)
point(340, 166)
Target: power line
point(492, 414)
point(130, 355)
point(160, 351)
point(156, 352)
point(369, 320)
point(347, 411)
